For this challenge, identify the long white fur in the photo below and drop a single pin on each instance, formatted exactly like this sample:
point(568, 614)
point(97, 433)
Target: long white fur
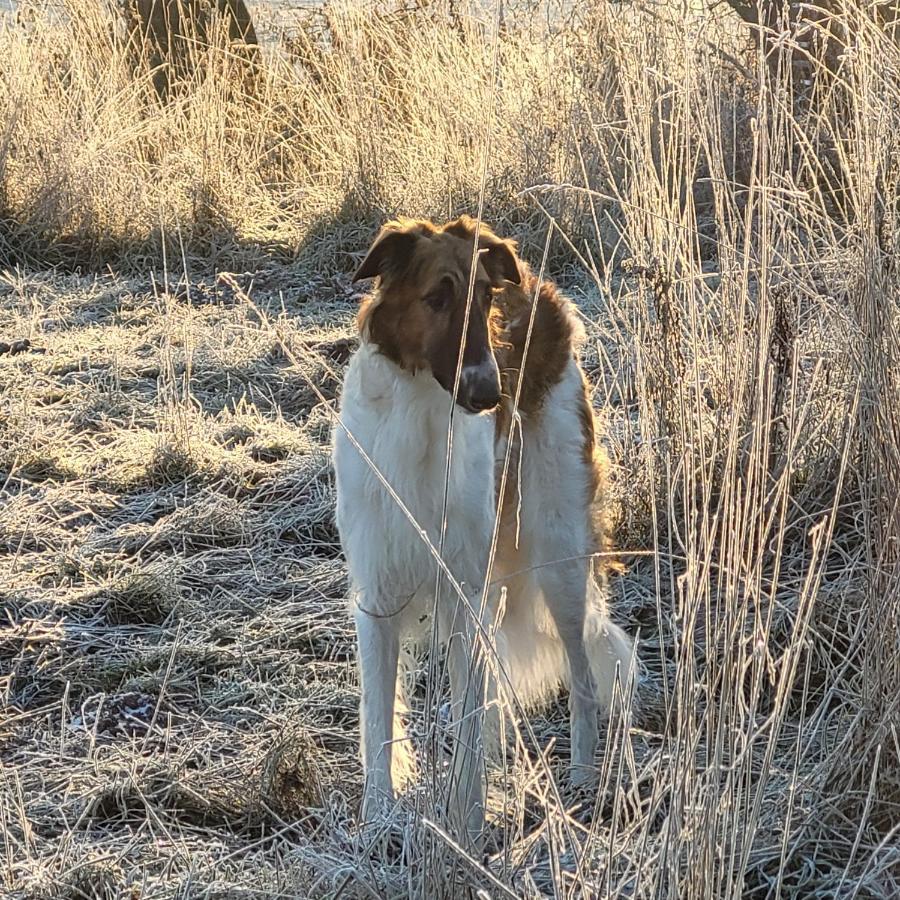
point(554, 628)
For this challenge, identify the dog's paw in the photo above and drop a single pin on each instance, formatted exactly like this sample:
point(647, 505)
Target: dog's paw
point(385, 831)
point(583, 779)
point(377, 805)
point(580, 793)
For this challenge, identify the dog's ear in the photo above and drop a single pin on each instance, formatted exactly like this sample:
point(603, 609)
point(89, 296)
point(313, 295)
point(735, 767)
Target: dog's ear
point(499, 258)
point(390, 251)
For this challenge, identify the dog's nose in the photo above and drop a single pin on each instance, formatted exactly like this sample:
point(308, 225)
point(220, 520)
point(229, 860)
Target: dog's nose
point(480, 385)
point(484, 401)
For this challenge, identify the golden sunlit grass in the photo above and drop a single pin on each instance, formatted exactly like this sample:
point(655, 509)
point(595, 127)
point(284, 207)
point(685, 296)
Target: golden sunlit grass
point(178, 687)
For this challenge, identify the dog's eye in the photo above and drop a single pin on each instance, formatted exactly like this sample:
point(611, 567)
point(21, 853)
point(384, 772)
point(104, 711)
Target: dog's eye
point(441, 297)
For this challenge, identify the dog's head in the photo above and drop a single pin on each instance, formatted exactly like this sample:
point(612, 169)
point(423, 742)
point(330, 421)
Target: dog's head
point(418, 315)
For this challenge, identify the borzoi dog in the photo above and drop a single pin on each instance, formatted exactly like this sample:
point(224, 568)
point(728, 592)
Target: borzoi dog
point(433, 332)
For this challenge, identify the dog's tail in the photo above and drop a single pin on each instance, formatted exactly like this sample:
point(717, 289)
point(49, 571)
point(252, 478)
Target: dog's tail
point(613, 661)
point(534, 659)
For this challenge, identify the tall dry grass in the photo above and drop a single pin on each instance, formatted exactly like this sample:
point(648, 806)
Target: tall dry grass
point(732, 237)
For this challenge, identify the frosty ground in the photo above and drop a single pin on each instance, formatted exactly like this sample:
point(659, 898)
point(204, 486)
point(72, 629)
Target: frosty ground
point(178, 673)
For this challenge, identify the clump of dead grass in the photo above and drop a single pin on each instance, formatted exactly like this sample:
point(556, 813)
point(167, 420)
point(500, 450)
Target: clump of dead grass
point(177, 658)
point(103, 169)
point(139, 598)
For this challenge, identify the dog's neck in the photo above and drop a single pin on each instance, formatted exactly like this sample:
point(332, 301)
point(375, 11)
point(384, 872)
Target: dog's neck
point(382, 384)
point(383, 379)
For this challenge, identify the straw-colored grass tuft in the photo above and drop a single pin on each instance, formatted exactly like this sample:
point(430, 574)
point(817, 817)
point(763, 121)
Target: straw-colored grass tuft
point(177, 685)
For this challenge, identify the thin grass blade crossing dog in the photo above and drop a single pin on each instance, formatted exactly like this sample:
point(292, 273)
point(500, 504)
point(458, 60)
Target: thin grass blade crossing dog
point(553, 628)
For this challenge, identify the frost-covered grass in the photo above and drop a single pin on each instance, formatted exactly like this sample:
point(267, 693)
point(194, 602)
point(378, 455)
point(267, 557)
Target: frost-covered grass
point(176, 660)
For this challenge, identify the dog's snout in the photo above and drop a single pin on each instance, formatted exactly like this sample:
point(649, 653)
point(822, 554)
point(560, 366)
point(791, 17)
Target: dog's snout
point(480, 388)
point(484, 401)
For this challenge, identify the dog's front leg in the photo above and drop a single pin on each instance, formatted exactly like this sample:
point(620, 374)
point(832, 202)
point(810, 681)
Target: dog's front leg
point(378, 639)
point(467, 665)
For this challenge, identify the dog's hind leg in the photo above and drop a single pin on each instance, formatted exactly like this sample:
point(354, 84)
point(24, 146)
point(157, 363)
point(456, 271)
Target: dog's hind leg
point(379, 648)
point(564, 586)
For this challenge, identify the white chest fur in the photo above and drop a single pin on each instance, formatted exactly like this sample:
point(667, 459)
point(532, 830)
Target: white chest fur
point(401, 422)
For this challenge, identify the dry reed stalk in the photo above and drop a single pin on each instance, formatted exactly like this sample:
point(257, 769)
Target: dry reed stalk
point(177, 678)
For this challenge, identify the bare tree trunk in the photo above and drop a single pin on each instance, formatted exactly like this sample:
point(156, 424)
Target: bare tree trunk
point(170, 35)
point(817, 31)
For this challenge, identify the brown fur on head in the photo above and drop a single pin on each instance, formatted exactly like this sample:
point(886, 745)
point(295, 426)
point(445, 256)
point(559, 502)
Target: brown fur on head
point(417, 315)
